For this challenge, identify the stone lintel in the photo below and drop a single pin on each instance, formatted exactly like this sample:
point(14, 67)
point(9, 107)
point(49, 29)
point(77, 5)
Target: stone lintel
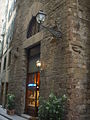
point(33, 40)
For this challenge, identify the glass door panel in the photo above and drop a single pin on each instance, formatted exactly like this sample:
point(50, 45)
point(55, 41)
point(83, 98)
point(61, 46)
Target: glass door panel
point(33, 93)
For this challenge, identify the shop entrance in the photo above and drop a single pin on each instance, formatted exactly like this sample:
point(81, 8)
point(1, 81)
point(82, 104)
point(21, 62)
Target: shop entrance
point(33, 82)
point(33, 93)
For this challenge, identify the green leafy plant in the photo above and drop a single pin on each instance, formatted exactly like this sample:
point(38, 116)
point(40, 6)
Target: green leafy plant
point(53, 108)
point(10, 102)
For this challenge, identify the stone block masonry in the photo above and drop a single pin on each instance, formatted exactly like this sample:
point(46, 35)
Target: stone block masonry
point(67, 60)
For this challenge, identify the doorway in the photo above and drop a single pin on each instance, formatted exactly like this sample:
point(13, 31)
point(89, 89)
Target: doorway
point(4, 93)
point(33, 82)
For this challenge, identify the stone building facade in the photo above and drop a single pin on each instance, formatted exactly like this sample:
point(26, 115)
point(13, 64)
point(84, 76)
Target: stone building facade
point(7, 34)
point(2, 10)
point(66, 61)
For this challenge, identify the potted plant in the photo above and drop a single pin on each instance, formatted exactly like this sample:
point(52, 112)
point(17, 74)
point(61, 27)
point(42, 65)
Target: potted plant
point(53, 108)
point(10, 104)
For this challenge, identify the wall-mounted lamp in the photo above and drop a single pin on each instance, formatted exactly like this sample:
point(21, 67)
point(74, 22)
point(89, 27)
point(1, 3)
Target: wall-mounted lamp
point(40, 65)
point(40, 17)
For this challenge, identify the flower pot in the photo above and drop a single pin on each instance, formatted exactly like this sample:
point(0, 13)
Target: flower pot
point(10, 112)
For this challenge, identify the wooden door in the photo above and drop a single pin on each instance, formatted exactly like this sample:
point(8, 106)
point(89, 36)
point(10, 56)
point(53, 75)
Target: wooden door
point(32, 93)
point(33, 81)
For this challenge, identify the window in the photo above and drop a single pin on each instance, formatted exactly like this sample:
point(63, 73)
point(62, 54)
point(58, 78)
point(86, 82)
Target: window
point(4, 66)
point(0, 67)
point(9, 59)
point(9, 36)
point(33, 27)
point(11, 10)
point(0, 49)
point(33, 57)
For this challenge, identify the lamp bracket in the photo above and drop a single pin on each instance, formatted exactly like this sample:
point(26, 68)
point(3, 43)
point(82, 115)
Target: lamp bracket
point(55, 33)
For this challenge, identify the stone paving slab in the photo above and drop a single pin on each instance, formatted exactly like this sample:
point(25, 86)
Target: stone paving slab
point(13, 117)
point(3, 118)
point(29, 117)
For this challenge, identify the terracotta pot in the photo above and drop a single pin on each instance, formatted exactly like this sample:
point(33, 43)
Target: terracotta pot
point(11, 112)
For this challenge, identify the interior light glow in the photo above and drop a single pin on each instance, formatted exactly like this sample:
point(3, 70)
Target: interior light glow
point(31, 85)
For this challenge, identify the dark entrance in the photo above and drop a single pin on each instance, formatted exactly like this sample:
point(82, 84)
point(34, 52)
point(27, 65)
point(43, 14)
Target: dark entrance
point(4, 93)
point(33, 82)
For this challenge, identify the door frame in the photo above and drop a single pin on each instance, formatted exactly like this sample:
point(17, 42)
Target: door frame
point(28, 58)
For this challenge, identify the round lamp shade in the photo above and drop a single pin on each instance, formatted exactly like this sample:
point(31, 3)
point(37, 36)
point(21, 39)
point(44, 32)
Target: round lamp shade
point(40, 17)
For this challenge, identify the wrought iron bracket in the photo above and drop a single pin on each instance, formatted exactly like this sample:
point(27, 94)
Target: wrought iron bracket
point(55, 33)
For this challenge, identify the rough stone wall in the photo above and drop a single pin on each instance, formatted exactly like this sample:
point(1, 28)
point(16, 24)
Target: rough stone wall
point(88, 60)
point(66, 60)
point(17, 83)
point(78, 37)
point(18, 73)
point(53, 52)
